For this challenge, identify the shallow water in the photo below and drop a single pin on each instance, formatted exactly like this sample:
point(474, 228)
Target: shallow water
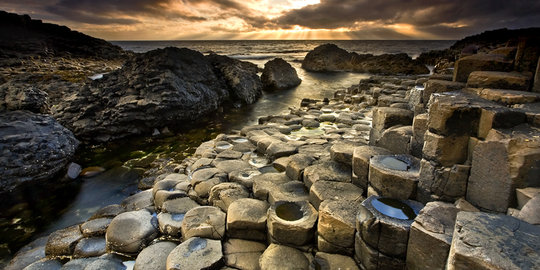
point(394, 208)
point(395, 164)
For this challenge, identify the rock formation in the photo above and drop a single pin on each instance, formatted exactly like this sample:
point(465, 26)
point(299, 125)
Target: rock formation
point(162, 87)
point(21, 36)
point(279, 75)
point(33, 146)
point(329, 57)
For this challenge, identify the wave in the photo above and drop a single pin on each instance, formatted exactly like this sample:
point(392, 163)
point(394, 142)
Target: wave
point(252, 57)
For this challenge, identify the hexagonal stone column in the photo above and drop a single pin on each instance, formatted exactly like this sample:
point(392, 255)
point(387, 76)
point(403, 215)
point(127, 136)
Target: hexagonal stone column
point(394, 176)
point(291, 223)
point(246, 219)
point(383, 226)
point(431, 236)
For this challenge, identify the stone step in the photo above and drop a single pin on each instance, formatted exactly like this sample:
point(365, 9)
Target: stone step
point(505, 97)
point(499, 80)
point(480, 62)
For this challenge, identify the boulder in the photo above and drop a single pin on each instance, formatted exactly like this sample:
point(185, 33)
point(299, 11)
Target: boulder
point(95, 227)
point(493, 241)
point(279, 75)
point(32, 252)
point(196, 253)
point(329, 57)
point(282, 257)
point(106, 261)
point(159, 88)
point(224, 194)
point(45, 264)
point(431, 236)
point(154, 257)
point(26, 138)
point(244, 84)
point(131, 231)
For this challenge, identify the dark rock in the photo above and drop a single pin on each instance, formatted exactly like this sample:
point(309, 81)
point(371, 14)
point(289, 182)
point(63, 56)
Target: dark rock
point(33, 147)
point(241, 77)
point(21, 36)
point(162, 87)
point(63, 242)
point(15, 96)
point(130, 232)
point(329, 57)
point(279, 75)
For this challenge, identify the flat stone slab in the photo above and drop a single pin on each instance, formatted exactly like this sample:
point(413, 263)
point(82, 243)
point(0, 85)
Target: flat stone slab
point(243, 254)
point(154, 257)
point(327, 190)
point(492, 241)
point(506, 97)
point(204, 221)
point(196, 253)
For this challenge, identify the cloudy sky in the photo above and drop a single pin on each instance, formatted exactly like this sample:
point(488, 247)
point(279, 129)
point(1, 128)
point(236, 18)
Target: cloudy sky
point(281, 19)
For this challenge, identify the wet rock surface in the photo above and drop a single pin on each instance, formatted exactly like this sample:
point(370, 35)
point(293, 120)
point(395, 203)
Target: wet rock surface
point(34, 147)
point(161, 86)
point(279, 75)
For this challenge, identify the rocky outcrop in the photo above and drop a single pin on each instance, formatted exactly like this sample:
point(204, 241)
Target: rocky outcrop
point(156, 89)
point(329, 57)
point(14, 96)
point(241, 77)
point(33, 147)
point(279, 75)
point(21, 36)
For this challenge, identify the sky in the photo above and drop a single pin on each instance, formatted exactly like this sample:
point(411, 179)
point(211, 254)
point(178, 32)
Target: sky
point(281, 19)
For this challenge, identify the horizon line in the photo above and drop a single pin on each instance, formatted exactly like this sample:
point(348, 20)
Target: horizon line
point(163, 40)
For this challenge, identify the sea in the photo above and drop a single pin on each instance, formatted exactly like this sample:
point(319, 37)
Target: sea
point(59, 207)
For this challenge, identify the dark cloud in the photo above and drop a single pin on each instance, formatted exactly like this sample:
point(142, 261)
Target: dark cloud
point(106, 11)
point(428, 14)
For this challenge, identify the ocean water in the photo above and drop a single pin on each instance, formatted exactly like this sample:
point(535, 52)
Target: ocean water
point(111, 187)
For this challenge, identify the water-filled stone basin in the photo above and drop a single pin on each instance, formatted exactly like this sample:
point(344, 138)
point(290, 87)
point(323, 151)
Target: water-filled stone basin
point(384, 223)
point(394, 176)
point(291, 223)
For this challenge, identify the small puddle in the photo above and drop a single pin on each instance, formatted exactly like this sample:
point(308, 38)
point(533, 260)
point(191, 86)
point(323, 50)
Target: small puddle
point(289, 211)
point(240, 140)
point(258, 161)
point(223, 145)
point(393, 208)
point(195, 245)
point(177, 217)
point(395, 164)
